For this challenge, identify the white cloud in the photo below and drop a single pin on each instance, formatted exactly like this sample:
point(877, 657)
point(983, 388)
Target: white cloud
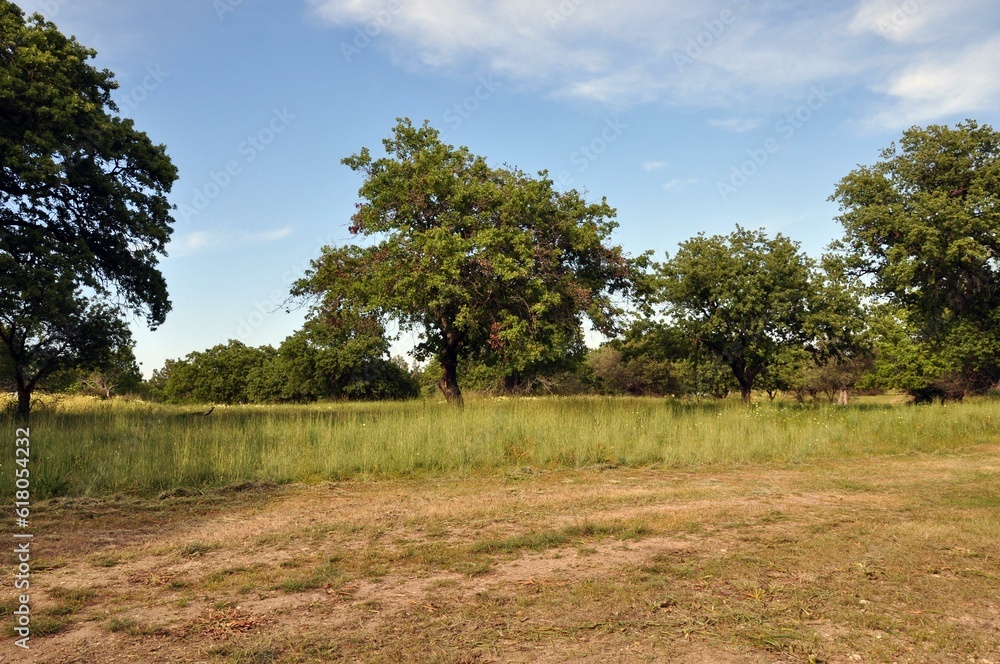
point(650, 166)
point(193, 243)
point(745, 56)
point(675, 185)
point(895, 20)
point(737, 125)
point(923, 21)
point(964, 83)
point(626, 52)
point(202, 241)
point(268, 236)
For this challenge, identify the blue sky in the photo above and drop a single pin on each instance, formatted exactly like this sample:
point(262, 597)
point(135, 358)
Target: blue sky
point(687, 116)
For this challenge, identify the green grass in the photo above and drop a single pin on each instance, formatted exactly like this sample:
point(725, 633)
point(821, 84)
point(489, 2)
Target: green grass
point(92, 448)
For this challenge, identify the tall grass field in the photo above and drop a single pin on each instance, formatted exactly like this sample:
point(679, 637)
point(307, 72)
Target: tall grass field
point(85, 447)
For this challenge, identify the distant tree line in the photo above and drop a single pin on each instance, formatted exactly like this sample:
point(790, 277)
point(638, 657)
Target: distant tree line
point(312, 364)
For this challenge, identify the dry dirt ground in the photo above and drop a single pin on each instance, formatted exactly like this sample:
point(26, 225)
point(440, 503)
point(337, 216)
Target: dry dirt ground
point(858, 560)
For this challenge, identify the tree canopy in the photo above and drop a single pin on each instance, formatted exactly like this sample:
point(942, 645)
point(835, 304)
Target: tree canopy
point(84, 214)
point(744, 297)
point(923, 224)
point(477, 260)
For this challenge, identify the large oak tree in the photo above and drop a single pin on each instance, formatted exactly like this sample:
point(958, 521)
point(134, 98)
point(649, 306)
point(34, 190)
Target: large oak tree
point(480, 261)
point(84, 214)
point(923, 224)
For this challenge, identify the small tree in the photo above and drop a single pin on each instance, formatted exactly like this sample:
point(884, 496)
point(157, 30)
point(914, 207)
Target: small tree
point(787, 372)
point(905, 360)
point(838, 328)
point(50, 326)
point(743, 297)
point(119, 375)
point(647, 360)
point(479, 261)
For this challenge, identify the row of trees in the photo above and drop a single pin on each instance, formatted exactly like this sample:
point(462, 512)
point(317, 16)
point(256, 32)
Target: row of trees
point(494, 270)
point(497, 284)
point(651, 358)
point(314, 363)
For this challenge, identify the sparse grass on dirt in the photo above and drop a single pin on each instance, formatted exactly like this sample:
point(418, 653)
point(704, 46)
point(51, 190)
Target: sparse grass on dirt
point(857, 558)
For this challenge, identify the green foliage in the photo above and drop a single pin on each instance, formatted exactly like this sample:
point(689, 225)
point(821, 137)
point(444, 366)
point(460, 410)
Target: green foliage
point(839, 331)
point(703, 374)
point(317, 362)
point(220, 374)
point(787, 372)
point(923, 223)
point(905, 360)
point(743, 297)
point(325, 361)
point(837, 324)
point(118, 376)
point(644, 362)
point(479, 261)
point(556, 373)
point(382, 380)
point(84, 214)
point(49, 326)
point(766, 311)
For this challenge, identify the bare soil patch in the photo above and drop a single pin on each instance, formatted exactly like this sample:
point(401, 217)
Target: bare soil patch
point(873, 560)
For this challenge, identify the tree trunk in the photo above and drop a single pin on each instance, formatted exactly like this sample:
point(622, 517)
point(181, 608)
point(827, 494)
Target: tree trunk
point(449, 377)
point(842, 400)
point(23, 402)
point(745, 379)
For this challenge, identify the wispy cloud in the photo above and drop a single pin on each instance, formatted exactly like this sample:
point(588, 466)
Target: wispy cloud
point(738, 55)
point(193, 243)
point(268, 236)
point(650, 166)
point(965, 82)
point(202, 241)
point(737, 125)
point(675, 185)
